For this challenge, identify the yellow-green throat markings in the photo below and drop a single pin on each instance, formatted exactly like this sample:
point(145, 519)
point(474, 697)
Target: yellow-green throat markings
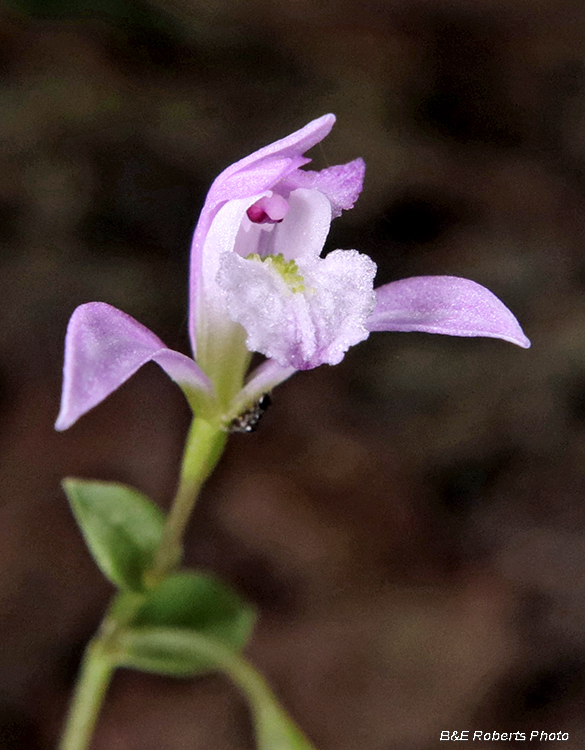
point(288, 269)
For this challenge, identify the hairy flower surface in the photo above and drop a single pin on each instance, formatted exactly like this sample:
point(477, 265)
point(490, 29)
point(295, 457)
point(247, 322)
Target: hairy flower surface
point(258, 283)
point(297, 308)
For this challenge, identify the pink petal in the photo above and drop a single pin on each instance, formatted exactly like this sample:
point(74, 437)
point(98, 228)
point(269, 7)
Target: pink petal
point(342, 183)
point(444, 304)
point(290, 147)
point(248, 177)
point(103, 348)
point(263, 379)
point(304, 229)
point(307, 326)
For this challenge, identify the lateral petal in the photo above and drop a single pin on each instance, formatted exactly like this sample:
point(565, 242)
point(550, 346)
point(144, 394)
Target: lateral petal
point(444, 304)
point(341, 183)
point(103, 348)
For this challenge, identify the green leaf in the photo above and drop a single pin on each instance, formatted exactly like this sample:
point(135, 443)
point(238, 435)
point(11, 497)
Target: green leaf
point(181, 652)
point(172, 651)
point(199, 601)
point(122, 528)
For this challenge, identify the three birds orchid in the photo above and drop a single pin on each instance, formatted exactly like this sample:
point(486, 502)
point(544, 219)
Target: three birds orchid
point(258, 283)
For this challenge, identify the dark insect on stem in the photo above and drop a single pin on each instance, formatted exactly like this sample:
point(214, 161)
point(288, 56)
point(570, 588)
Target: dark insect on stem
point(248, 421)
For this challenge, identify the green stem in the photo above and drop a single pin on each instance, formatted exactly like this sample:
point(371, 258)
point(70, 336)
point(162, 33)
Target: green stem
point(205, 444)
point(92, 684)
point(275, 730)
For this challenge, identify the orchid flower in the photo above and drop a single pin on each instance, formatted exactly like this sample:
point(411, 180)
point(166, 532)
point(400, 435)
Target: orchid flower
point(258, 283)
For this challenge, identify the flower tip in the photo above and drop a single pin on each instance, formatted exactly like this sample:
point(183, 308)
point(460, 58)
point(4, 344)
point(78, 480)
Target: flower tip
point(321, 126)
point(66, 417)
point(328, 118)
point(62, 423)
point(516, 337)
point(514, 333)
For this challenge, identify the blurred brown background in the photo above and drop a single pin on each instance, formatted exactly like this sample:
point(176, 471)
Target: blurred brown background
point(410, 523)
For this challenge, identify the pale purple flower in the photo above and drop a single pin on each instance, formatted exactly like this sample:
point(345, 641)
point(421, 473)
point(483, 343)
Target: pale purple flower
point(258, 283)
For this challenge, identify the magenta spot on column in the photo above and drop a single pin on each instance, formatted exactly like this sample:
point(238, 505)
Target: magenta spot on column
point(268, 210)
